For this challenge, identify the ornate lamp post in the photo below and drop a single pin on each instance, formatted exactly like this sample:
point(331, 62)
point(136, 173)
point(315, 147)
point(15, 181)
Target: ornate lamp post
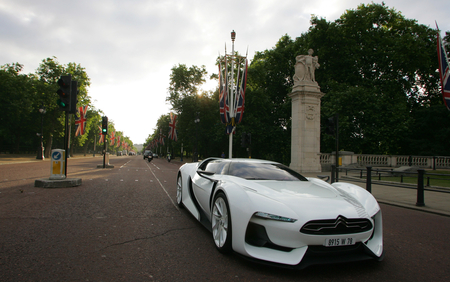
point(40, 153)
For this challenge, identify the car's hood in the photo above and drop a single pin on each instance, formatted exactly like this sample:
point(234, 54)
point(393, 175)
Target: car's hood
point(313, 197)
point(303, 189)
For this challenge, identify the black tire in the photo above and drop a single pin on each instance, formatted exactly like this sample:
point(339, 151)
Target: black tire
point(221, 223)
point(179, 191)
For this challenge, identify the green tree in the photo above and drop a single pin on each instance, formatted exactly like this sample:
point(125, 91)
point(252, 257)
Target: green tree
point(376, 66)
point(48, 72)
point(19, 104)
point(184, 82)
point(190, 103)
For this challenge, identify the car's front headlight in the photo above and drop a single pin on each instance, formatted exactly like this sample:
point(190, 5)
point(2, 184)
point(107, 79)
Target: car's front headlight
point(265, 215)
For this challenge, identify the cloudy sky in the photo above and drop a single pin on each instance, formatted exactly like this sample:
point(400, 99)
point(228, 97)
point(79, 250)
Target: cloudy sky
point(128, 47)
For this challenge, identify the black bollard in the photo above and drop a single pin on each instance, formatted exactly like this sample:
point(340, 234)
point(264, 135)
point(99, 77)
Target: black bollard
point(369, 179)
point(420, 188)
point(333, 173)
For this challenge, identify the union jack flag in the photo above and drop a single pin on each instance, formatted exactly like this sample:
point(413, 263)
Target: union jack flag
point(113, 138)
point(444, 71)
point(80, 121)
point(223, 93)
point(102, 137)
point(172, 127)
point(240, 97)
point(161, 137)
point(118, 141)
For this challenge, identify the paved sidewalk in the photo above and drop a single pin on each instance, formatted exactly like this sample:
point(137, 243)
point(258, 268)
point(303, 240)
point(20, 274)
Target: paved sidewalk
point(10, 159)
point(435, 202)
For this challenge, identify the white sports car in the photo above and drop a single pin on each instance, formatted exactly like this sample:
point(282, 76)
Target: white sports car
point(263, 210)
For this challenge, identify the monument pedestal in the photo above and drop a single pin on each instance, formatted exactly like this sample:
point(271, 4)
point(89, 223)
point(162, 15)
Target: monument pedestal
point(305, 136)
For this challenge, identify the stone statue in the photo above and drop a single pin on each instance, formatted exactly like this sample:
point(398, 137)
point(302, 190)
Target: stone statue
point(305, 67)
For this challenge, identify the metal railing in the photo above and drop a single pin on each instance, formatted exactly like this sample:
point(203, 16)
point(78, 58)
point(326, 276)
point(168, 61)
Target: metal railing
point(364, 160)
point(372, 175)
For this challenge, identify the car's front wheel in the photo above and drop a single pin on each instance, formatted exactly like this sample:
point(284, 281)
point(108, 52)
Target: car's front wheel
point(221, 223)
point(179, 191)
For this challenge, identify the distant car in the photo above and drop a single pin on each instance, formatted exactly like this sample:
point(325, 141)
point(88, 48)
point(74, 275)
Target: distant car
point(267, 212)
point(155, 155)
point(147, 153)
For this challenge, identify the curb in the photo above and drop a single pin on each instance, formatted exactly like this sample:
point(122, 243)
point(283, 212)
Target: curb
point(64, 183)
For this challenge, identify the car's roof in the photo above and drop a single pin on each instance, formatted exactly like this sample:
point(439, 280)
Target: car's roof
point(243, 160)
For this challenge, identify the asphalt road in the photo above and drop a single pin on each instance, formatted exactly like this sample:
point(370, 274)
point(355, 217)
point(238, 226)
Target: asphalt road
point(122, 224)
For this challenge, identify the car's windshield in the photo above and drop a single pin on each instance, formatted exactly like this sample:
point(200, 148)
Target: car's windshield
point(264, 171)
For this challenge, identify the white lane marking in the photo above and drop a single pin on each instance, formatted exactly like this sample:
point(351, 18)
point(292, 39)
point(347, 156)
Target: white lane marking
point(162, 186)
point(125, 164)
point(154, 166)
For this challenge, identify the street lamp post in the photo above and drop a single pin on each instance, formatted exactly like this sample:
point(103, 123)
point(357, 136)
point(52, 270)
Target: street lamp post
point(40, 153)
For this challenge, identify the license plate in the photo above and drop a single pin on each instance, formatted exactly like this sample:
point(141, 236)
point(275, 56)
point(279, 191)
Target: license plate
point(335, 242)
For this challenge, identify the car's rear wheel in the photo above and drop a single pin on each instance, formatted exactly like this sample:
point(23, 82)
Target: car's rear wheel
point(221, 223)
point(179, 191)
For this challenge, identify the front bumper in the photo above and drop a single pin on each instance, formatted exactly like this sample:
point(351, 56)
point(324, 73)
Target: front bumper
point(283, 243)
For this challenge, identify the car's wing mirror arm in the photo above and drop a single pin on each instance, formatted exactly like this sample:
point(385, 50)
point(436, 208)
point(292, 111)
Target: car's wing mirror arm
point(205, 174)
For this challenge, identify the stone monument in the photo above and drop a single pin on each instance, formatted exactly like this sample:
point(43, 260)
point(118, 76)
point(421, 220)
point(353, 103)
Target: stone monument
point(305, 95)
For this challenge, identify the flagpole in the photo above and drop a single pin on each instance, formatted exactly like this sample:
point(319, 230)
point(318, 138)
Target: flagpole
point(231, 98)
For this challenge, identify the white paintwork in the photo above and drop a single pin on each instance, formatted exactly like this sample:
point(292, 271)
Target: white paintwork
point(301, 200)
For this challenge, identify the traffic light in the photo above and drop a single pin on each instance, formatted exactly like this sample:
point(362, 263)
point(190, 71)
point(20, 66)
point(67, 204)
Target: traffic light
point(331, 126)
point(73, 97)
point(105, 125)
point(64, 91)
point(246, 139)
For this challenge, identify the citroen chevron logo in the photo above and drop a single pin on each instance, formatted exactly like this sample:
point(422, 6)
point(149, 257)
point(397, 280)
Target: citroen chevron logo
point(340, 225)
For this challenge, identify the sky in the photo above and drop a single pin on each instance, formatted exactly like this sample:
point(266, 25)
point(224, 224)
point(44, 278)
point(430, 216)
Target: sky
point(128, 48)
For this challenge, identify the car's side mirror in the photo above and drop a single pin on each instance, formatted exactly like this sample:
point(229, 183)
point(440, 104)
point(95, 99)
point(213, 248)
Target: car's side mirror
point(205, 174)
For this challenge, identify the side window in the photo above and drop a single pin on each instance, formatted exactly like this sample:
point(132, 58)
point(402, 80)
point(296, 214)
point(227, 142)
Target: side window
point(215, 166)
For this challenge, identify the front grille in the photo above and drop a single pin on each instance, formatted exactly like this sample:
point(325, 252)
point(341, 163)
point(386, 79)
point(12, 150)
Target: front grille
point(340, 225)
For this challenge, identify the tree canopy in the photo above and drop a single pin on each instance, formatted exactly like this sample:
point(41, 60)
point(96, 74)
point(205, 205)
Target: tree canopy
point(21, 97)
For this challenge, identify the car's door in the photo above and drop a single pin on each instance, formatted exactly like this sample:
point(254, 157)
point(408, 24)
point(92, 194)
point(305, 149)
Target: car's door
point(203, 185)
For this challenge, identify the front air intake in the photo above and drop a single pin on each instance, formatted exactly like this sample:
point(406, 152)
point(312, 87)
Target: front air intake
point(338, 226)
